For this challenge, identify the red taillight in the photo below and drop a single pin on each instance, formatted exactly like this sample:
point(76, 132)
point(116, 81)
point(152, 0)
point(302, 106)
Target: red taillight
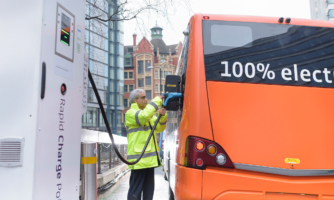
point(206, 17)
point(214, 155)
point(199, 162)
point(199, 146)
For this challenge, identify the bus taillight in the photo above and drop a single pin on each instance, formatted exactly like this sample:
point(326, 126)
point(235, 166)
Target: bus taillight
point(201, 153)
point(199, 146)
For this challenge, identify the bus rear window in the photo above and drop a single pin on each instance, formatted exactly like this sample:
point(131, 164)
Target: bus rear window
point(282, 54)
point(231, 36)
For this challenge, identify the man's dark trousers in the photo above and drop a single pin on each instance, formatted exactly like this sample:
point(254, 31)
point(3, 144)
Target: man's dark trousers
point(141, 180)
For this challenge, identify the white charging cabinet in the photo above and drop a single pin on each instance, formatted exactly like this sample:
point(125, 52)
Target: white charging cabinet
point(42, 53)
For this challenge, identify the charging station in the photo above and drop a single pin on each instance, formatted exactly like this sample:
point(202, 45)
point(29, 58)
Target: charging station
point(43, 78)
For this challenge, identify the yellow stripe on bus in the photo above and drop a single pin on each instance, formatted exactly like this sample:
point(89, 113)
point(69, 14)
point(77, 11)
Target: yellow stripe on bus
point(88, 160)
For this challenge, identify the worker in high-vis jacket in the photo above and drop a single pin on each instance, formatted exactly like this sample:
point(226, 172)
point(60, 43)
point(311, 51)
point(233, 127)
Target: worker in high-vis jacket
point(139, 120)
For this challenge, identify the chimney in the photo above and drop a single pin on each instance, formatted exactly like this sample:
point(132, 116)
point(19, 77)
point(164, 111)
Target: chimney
point(134, 39)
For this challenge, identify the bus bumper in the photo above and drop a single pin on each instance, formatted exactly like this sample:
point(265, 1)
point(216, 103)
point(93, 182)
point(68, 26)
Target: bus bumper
point(233, 184)
point(188, 183)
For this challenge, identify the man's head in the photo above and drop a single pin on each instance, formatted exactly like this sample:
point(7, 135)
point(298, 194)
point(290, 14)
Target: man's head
point(138, 96)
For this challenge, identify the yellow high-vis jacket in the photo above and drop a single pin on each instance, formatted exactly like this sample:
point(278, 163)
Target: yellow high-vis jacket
point(138, 129)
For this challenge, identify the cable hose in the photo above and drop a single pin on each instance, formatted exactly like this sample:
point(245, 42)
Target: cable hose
point(108, 127)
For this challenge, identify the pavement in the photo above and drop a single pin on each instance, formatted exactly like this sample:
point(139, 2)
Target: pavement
point(120, 190)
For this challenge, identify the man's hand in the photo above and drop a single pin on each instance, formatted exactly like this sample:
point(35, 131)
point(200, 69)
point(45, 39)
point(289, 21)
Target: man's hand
point(162, 97)
point(162, 111)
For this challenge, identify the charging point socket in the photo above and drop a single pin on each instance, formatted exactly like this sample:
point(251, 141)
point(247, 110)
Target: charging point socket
point(63, 89)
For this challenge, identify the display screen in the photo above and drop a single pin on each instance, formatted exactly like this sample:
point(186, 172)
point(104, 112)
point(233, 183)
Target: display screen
point(264, 53)
point(65, 29)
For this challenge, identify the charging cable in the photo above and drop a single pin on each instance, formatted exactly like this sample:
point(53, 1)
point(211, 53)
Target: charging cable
point(109, 130)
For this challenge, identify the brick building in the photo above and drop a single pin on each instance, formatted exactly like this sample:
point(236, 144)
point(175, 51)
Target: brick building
point(145, 61)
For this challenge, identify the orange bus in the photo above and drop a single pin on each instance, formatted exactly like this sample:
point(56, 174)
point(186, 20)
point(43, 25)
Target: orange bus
point(256, 117)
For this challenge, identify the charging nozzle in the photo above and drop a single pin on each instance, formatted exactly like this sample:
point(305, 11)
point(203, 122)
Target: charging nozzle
point(169, 96)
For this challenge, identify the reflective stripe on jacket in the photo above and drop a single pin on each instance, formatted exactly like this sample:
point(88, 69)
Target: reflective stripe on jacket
point(138, 130)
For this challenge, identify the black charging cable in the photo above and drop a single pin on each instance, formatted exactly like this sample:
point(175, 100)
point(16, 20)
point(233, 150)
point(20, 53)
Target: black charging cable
point(108, 127)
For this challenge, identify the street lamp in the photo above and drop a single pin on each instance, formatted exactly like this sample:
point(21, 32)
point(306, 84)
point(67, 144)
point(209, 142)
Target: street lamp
point(151, 67)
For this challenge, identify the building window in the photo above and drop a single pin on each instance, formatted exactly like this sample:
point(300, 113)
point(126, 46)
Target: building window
point(148, 94)
point(161, 89)
point(125, 88)
point(120, 100)
point(165, 74)
point(331, 13)
point(102, 124)
point(169, 73)
point(127, 61)
point(330, 1)
point(128, 75)
point(147, 64)
point(126, 103)
point(89, 118)
point(141, 82)
point(156, 74)
point(147, 80)
point(120, 86)
point(130, 88)
point(156, 88)
point(140, 67)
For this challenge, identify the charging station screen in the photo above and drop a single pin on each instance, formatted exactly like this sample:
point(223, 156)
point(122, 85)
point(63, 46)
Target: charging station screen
point(65, 29)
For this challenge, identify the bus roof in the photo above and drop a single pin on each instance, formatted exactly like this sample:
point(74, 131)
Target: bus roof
point(272, 20)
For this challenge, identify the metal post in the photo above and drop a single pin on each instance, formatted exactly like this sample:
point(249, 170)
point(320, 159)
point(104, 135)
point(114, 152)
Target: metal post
point(99, 158)
point(115, 25)
point(160, 81)
point(119, 149)
point(88, 173)
point(109, 78)
point(110, 156)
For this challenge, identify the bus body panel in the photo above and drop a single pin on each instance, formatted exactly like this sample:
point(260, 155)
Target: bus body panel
point(196, 114)
point(240, 185)
point(273, 20)
point(265, 124)
point(188, 184)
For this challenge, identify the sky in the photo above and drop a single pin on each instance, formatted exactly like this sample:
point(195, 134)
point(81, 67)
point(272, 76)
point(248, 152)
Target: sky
point(173, 35)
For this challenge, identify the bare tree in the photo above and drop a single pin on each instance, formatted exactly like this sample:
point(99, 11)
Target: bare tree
point(139, 10)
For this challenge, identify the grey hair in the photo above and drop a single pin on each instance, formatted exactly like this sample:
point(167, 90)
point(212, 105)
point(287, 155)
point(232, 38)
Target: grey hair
point(134, 94)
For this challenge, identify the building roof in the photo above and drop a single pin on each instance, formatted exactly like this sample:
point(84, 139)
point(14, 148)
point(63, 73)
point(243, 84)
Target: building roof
point(172, 47)
point(163, 48)
point(156, 26)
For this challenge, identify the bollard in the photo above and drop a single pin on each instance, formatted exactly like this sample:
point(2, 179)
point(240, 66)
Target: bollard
point(88, 173)
point(99, 158)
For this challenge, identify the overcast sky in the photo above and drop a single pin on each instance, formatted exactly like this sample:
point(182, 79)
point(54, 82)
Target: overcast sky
point(272, 8)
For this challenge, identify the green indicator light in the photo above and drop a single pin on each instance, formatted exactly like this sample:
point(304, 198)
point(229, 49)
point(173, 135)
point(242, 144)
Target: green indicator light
point(64, 42)
point(65, 31)
point(65, 37)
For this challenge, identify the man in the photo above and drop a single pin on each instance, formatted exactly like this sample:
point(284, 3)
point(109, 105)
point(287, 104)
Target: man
point(138, 122)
